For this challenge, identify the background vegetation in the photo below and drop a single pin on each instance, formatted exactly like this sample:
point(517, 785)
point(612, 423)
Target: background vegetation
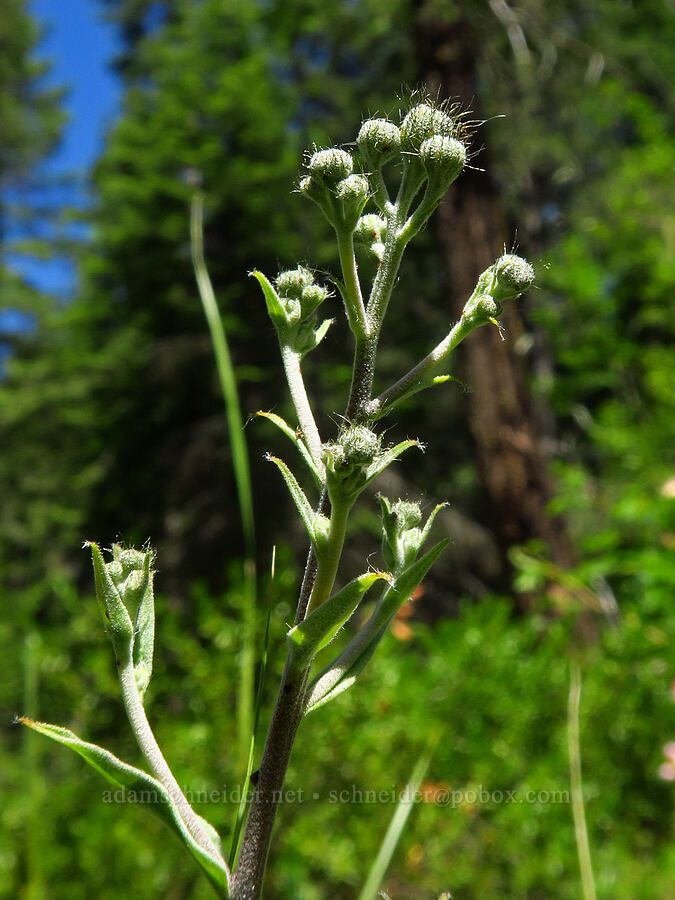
point(558, 461)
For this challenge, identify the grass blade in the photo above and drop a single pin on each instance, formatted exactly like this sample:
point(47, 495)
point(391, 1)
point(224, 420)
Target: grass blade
point(578, 811)
point(378, 870)
point(242, 475)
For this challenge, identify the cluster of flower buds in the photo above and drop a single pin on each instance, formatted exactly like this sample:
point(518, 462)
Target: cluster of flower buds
point(402, 539)
point(292, 303)
point(428, 142)
point(505, 279)
point(124, 591)
point(348, 460)
point(333, 186)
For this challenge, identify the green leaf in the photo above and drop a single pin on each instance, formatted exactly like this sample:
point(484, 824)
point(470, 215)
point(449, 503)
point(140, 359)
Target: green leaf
point(315, 523)
point(344, 670)
point(321, 332)
point(381, 463)
point(276, 311)
point(321, 626)
point(116, 618)
point(142, 788)
point(144, 638)
point(292, 435)
point(386, 408)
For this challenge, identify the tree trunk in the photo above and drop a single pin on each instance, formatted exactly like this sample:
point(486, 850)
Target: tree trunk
point(472, 231)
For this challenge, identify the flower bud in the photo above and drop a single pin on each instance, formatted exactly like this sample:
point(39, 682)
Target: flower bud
point(359, 444)
point(512, 276)
point(330, 165)
point(506, 278)
point(312, 297)
point(422, 122)
point(379, 142)
point(352, 195)
point(443, 159)
point(347, 460)
point(292, 282)
point(370, 229)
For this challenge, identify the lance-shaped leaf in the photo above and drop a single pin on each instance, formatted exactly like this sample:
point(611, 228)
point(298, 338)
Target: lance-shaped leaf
point(322, 625)
point(116, 618)
point(275, 308)
point(385, 408)
point(141, 788)
point(304, 337)
point(292, 435)
point(315, 523)
point(344, 670)
point(144, 628)
point(388, 457)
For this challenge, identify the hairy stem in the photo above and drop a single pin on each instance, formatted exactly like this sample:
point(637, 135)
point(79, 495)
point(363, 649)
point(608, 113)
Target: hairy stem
point(159, 766)
point(423, 369)
point(356, 311)
point(303, 410)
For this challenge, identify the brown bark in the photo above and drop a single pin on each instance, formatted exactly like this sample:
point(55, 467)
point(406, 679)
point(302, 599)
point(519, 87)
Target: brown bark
point(472, 231)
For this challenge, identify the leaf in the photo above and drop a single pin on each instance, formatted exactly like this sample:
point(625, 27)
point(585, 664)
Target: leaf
point(315, 523)
point(386, 408)
point(321, 331)
point(292, 435)
point(144, 638)
point(388, 457)
point(116, 618)
point(142, 788)
point(344, 670)
point(321, 626)
point(276, 311)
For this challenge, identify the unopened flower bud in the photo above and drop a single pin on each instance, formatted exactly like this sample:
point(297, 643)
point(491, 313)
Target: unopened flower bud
point(331, 165)
point(360, 445)
point(443, 159)
point(352, 195)
point(293, 282)
point(506, 278)
point(370, 229)
point(379, 142)
point(353, 189)
point(512, 276)
point(311, 298)
point(422, 122)
point(347, 460)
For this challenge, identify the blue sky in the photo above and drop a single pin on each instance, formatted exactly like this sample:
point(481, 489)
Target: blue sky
point(80, 46)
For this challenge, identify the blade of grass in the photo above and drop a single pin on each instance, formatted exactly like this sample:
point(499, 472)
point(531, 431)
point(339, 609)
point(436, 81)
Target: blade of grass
point(384, 856)
point(32, 773)
point(578, 811)
point(242, 475)
point(243, 803)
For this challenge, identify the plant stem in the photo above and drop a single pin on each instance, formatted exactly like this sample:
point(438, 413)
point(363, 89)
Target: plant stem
point(159, 766)
point(424, 368)
point(580, 830)
point(356, 311)
point(303, 410)
point(330, 558)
